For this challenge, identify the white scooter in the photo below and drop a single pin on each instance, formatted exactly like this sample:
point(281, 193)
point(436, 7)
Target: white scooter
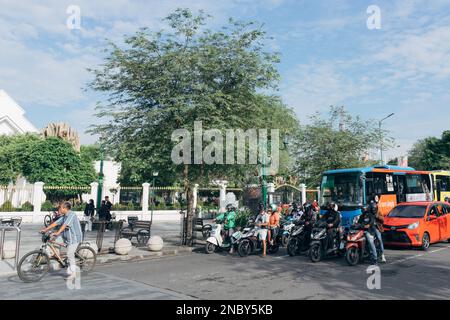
point(215, 241)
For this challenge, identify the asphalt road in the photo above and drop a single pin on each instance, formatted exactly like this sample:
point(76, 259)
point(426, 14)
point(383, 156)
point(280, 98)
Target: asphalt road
point(409, 274)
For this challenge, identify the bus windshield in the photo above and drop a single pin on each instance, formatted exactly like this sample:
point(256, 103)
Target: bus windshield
point(343, 188)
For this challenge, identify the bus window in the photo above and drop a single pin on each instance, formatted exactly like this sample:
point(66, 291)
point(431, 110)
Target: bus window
point(378, 184)
point(444, 183)
point(342, 188)
point(417, 183)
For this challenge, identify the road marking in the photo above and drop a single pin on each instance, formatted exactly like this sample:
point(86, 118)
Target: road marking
point(418, 255)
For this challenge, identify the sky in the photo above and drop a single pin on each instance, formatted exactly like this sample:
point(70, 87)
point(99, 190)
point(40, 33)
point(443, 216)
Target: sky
point(328, 56)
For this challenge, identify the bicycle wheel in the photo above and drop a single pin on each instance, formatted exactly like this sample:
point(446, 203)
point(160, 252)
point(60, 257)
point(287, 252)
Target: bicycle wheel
point(85, 258)
point(33, 266)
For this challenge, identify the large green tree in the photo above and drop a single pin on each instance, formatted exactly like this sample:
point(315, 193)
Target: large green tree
point(162, 81)
point(431, 153)
point(335, 142)
point(52, 161)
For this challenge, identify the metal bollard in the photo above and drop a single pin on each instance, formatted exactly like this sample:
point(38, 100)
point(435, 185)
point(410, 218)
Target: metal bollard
point(3, 230)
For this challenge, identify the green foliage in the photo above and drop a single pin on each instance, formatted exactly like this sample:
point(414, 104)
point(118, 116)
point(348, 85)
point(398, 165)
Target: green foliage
point(322, 145)
point(242, 218)
point(7, 207)
point(431, 153)
point(27, 206)
point(52, 161)
point(162, 81)
point(47, 206)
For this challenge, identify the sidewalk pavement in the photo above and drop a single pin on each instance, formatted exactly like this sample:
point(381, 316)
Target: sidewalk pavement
point(169, 231)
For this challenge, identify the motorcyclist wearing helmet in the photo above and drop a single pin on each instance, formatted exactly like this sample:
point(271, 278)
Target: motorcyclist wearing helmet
point(366, 222)
point(274, 223)
point(308, 219)
point(229, 221)
point(332, 218)
point(379, 220)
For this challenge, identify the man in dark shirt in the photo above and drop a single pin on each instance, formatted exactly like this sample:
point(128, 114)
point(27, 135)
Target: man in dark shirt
point(367, 222)
point(333, 220)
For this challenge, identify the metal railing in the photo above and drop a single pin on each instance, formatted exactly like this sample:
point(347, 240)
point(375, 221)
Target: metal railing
point(3, 230)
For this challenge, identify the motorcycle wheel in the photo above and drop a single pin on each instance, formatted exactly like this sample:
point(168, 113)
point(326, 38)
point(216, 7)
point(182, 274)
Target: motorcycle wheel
point(352, 256)
point(284, 240)
point(47, 220)
point(210, 248)
point(315, 253)
point(244, 248)
point(274, 249)
point(292, 247)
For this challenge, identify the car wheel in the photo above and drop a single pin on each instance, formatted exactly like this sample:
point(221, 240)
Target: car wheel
point(425, 241)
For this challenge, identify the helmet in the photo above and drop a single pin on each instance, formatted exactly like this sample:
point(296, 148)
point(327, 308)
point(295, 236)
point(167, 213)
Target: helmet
point(373, 207)
point(332, 206)
point(365, 209)
point(273, 207)
point(229, 207)
point(307, 207)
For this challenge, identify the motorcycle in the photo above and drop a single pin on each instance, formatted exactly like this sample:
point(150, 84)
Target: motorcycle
point(286, 229)
point(357, 248)
point(216, 242)
point(250, 242)
point(319, 242)
point(297, 241)
point(51, 217)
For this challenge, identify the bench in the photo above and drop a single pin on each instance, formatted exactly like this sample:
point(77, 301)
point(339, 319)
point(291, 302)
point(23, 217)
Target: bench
point(139, 229)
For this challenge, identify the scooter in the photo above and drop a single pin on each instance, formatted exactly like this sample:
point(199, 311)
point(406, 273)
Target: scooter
point(216, 242)
point(357, 248)
point(286, 229)
point(249, 242)
point(319, 240)
point(298, 242)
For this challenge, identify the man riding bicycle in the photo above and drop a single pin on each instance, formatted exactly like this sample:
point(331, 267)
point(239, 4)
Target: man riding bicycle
point(70, 228)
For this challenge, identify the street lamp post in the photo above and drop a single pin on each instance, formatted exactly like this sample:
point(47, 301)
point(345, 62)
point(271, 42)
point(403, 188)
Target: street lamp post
point(100, 176)
point(155, 174)
point(381, 137)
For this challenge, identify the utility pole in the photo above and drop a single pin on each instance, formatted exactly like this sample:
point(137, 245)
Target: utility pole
point(381, 137)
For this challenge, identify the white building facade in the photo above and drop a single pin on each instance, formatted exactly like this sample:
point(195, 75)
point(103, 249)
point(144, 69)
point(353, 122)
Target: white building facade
point(12, 117)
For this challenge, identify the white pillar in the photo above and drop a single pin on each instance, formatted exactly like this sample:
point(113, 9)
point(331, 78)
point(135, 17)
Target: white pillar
point(195, 196)
point(38, 195)
point(145, 197)
point(94, 191)
point(318, 194)
point(117, 197)
point(270, 191)
point(303, 190)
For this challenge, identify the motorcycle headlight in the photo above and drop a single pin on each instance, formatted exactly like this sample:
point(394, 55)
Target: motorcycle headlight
point(413, 226)
point(355, 219)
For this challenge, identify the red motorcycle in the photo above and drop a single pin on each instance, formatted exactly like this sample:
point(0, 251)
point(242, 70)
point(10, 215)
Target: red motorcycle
point(357, 247)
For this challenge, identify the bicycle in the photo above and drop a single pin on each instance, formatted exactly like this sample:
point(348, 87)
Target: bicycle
point(36, 264)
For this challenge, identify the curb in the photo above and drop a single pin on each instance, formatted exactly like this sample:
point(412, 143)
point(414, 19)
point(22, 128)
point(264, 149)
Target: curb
point(111, 258)
point(142, 257)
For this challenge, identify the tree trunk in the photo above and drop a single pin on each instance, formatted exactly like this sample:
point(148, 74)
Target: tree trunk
point(190, 208)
